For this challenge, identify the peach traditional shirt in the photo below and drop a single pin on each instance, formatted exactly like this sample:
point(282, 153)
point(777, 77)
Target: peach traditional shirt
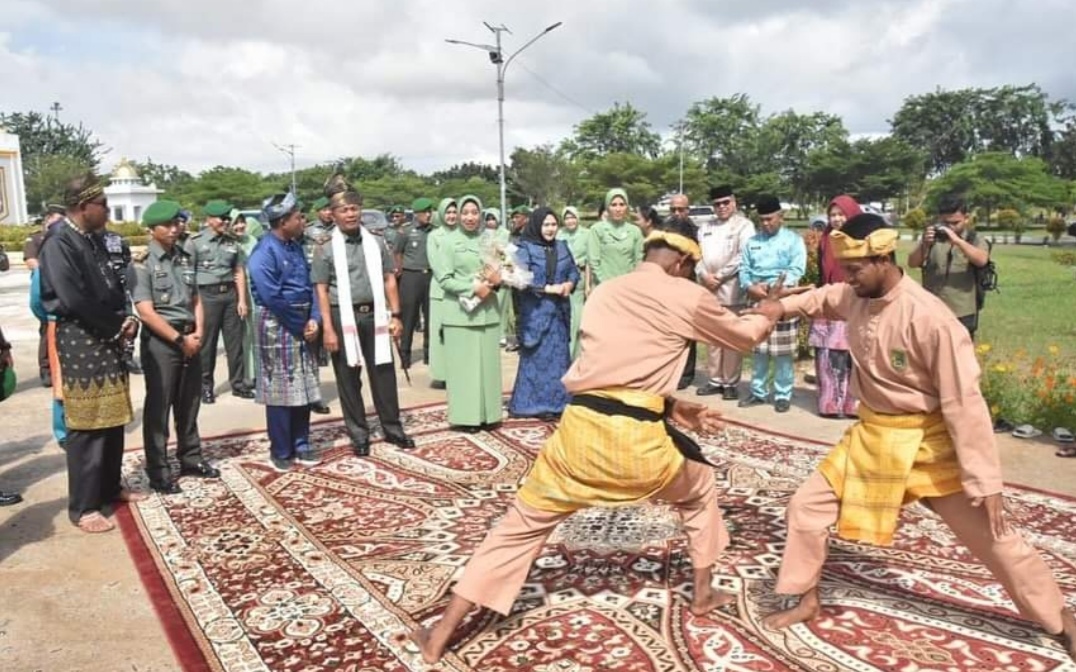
point(911, 356)
point(635, 327)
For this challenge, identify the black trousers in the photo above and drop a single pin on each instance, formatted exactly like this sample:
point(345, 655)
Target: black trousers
point(349, 384)
point(42, 349)
point(94, 459)
point(414, 301)
point(688, 375)
point(222, 316)
point(971, 323)
point(173, 385)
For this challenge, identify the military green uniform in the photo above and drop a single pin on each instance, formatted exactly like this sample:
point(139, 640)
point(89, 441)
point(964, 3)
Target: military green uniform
point(473, 372)
point(314, 236)
point(577, 244)
point(434, 244)
point(382, 377)
point(949, 275)
point(166, 279)
point(415, 280)
point(215, 258)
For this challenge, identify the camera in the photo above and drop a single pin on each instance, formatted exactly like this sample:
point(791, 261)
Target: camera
point(939, 234)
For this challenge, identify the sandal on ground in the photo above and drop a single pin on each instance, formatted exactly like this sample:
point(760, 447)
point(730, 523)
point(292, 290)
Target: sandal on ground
point(94, 523)
point(1066, 451)
point(1063, 435)
point(1026, 432)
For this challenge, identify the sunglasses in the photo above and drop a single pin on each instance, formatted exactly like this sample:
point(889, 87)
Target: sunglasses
point(723, 202)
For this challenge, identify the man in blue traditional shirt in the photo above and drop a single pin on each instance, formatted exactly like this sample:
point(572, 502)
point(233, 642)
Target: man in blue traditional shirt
point(772, 252)
point(286, 324)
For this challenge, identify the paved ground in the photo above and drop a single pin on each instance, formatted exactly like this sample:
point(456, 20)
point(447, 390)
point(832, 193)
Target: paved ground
point(74, 602)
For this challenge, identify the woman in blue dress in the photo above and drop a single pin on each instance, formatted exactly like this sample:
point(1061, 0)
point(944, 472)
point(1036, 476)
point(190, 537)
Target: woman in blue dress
point(545, 314)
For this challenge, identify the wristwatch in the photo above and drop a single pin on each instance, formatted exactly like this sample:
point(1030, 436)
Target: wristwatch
point(178, 340)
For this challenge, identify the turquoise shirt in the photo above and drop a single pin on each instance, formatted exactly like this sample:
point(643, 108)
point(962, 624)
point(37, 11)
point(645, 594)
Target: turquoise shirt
point(765, 257)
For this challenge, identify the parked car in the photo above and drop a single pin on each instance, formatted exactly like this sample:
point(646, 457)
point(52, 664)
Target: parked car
point(375, 220)
point(701, 214)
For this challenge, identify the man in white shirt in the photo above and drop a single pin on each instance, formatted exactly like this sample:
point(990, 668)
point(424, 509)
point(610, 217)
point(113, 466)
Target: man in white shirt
point(722, 241)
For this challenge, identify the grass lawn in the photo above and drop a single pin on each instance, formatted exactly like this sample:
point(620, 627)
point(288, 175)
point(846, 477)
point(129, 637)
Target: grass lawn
point(1036, 307)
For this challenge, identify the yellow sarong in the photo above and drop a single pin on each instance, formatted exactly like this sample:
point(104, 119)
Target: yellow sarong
point(594, 459)
point(884, 462)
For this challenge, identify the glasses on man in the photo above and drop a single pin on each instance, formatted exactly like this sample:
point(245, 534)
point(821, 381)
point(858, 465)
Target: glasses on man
point(723, 203)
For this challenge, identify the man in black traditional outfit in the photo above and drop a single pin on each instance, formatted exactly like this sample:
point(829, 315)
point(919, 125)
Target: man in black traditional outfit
point(81, 288)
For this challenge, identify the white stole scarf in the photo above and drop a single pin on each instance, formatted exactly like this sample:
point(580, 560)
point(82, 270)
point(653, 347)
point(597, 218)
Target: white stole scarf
point(372, 256)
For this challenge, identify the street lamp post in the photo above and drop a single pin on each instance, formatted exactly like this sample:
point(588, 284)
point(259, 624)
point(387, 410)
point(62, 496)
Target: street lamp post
point(496, 56)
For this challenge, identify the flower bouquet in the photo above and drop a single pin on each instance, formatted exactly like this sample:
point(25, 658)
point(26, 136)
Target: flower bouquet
point(499, 257)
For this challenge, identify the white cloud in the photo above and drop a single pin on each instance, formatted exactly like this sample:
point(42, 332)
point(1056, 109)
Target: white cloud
point(200, 83)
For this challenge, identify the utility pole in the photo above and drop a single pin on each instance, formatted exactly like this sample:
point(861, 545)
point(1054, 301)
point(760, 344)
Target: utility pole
point(496, 56)
point(56, 107)
point(290, 151)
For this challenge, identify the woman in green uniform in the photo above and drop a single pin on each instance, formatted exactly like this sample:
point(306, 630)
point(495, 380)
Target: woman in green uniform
point(444, 223)
point(577, 238)
point(615, 247)
point(471, 332)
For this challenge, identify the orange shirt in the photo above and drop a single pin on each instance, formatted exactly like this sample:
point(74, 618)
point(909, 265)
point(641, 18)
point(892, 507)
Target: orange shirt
point(635, 327)
point(912, 355)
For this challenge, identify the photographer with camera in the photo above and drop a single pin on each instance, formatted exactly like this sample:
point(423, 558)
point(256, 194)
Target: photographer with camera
point(951, 256)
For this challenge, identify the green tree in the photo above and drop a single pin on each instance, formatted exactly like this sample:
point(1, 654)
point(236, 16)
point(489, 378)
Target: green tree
point(621, 130)
point(995, 180)
point(50, 174)
point(952, 126)
point(544, 175)
point(163, 175)
point(789, 139)
point(468, 170)
point(242, 187)
point(48, 148)
point(723, 133)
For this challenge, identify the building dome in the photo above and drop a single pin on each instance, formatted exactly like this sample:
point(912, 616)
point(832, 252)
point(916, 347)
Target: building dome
point(125, 171)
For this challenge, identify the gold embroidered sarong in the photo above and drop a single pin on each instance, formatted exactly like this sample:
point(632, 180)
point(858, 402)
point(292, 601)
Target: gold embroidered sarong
point(594, 459)
point(884, 462)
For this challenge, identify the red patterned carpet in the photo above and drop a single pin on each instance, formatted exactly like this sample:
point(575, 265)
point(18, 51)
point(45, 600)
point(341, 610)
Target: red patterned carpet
point(326, 568)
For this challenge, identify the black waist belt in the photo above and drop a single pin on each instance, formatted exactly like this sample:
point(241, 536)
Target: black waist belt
point(606, 406)
point(424, 271)
point(219, 288)
point(182, 327)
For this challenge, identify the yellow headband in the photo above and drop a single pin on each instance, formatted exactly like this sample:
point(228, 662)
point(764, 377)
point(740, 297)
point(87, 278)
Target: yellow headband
point(342, 198)
point(877, 244)
point(678, 242)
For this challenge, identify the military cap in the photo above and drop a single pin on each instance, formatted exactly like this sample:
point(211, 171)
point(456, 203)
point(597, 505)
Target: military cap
point(422, 205)
point(320, 203)
point(217, 208)
point(160, 212)
point(393, 209)
point(521, 210)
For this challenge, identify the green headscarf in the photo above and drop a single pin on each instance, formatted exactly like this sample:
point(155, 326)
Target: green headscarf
point(613, 193)
point(471, 198)
point(439, 216)
point(491, 211)
point(573, 211)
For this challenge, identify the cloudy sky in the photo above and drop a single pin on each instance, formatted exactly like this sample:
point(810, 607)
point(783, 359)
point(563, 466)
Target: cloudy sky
point(199, 83)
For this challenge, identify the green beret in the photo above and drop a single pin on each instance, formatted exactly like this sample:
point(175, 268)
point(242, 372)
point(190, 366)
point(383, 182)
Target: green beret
point(217, 208)
point(521, 210)
point(422, 205)
point(321, 204)
point(160, 212)
point(396, 208)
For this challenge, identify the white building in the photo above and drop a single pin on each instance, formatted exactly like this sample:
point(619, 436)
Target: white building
point(12, 186)
point(127, 196)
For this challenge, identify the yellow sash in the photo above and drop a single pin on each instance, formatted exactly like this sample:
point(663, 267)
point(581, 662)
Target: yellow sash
point(884, 462)
point(594, 459)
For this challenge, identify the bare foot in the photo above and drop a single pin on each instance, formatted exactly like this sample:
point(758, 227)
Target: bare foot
point(710, 599)
point(1068, 632)
point(421, 638)
point(131, 496)
point(807, 609)
point(94, 523)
